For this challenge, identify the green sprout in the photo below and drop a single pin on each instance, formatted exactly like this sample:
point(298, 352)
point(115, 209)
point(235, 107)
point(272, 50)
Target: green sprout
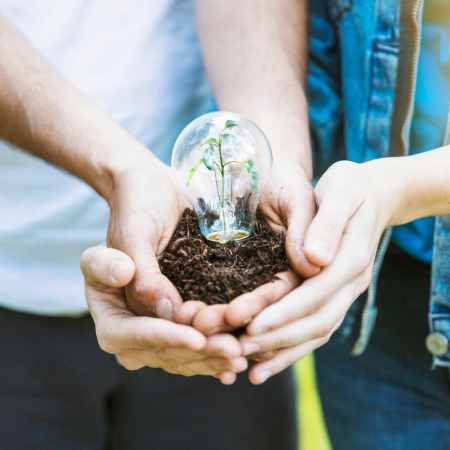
point(208, 161)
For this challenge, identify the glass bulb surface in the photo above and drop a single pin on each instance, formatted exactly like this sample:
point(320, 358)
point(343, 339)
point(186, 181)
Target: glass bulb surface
point(222, 163)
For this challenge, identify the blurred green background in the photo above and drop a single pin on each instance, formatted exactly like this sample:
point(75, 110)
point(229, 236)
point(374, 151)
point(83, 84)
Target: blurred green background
point(313, 434)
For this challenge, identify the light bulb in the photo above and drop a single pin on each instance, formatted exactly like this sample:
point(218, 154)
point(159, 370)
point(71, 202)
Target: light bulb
point(222, 163)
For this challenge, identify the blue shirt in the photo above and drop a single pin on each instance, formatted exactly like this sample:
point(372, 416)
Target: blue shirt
point(431, 109)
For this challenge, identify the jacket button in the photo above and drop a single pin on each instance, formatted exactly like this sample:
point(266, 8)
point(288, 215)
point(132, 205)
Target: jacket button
point(437, 344)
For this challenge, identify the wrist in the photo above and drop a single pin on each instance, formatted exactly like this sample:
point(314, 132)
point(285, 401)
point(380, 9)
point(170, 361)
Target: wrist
point(391, 190)
point(120, 166)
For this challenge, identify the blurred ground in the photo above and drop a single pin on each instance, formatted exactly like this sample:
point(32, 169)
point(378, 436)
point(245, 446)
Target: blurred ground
point(313, 435)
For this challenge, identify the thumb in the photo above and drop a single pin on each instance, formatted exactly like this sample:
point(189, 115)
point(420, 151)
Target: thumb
point(151, 293)
point(336, 207)
point(108, 266)
point(299, 217)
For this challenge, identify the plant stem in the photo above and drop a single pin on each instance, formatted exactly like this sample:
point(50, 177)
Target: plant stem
point(222, 172)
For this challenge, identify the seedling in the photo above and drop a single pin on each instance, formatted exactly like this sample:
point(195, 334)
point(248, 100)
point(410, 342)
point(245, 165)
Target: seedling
point(214, 147)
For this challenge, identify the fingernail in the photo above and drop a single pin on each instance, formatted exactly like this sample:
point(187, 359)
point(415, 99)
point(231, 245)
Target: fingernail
point(246, 322)
point(251, 348)
point(115, 269)
point(263, 376)
point(164, 309)
point(322, 250)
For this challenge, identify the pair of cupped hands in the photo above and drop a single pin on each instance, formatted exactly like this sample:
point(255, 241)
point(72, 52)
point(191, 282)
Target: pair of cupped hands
point(332, 232)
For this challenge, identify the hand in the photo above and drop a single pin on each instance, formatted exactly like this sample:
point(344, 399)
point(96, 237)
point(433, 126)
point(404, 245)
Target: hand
point(356, 202)
point(288, 206)
point(145, 210)
point(224, 318)
point(147, 341)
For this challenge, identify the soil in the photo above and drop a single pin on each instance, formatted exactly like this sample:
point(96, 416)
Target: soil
point(218, 273)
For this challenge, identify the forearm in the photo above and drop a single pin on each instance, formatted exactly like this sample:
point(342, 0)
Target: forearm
point(416, 186)
point(255, 53)
point(43, 114)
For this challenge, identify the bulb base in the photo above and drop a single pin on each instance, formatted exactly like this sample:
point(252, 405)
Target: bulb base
point(222, 237)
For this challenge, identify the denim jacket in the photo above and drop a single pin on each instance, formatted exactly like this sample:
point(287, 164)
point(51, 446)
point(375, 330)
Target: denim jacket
point(361, 86)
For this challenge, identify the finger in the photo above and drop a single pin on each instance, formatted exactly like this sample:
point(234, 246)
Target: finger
point(211, 320)
point(187, 311)
point(319, 325)
point(151, 293)
point(209, 366)
point(117, 332)
point(219, 346)
point(263, 356)
point(242, 309)
point(227, 378)
point(179, 361)
point(224, 345)
point(107, 266)
point(352, 264)
point(299, 214)
point(261, 372)
point(338, 202)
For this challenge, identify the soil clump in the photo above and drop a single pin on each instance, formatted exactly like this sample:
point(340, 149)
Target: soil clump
point(218, 273)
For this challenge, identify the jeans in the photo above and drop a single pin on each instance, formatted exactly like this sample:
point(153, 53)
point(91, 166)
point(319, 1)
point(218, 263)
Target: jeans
point(388, 398)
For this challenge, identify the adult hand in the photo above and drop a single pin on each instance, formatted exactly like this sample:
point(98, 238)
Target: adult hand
point(288, 206)
point(356, 202)
point(145, 210)
point(147, 341)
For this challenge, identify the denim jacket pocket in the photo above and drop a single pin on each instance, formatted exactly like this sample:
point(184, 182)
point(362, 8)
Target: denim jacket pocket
point(381, 98)
point(338, 8)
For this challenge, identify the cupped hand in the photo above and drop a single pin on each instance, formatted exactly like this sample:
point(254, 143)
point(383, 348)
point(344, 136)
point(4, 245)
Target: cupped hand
point(287, 205)
point(145, 210)
point(356, 202)
point(211, 319)
point(148, 341)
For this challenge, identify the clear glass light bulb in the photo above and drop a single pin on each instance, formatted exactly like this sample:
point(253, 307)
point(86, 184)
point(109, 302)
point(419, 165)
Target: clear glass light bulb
point(222, 163)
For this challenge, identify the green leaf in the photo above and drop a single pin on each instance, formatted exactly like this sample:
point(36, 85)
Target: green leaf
point(225, 136)
point(254, 176)
point(210, 141)
point(230, 124)
point(193, 170)
point(208, 160)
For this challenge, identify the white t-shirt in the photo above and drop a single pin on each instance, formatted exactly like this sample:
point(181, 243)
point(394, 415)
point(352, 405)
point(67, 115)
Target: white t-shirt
point(140, 61)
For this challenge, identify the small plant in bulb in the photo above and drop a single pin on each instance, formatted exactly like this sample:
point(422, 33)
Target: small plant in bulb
point(214, 146)
point(221, 162)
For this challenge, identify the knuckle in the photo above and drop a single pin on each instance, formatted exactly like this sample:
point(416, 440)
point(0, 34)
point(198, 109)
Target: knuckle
point(361, 260)
point(341, 169)
point(324, 340)
point(171, 369)
point(324, 326)
point(141, 338)
point(365, 280)
point(165, 354)
point(181, 370)
point(277, 343)
point(329, 226)
point(288, 361)
point(106, 343)
point(129, 361)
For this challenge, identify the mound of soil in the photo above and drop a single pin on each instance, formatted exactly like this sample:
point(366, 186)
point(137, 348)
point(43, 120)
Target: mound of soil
point(218, 273)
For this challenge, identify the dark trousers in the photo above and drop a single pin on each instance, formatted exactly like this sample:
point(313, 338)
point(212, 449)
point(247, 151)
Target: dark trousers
point(388, 398)
point(59, 391)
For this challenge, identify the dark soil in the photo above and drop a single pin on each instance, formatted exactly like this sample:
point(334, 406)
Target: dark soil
point(218, 273)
